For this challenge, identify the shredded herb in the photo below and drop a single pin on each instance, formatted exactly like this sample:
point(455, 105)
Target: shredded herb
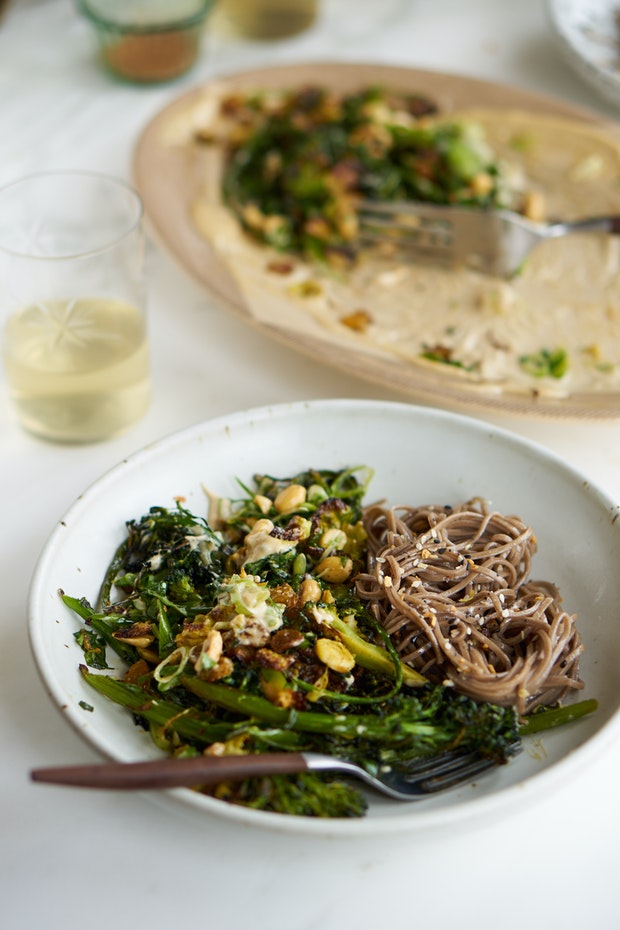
point(444, 358)
point(546, 363)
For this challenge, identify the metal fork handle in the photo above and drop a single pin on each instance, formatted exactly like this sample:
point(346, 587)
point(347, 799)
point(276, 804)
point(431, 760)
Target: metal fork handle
point(386, 210)
point(377, 210)
point(605, 224)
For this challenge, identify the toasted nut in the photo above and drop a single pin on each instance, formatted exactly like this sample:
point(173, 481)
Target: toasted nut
point(263, 503)
point(334, 568)
point(262, 526)
point(253, 216)
point(334, 655)
point(482, 183)
point(333, 538)
point(272, 223)
point(274, 686)
point(348, 225)
point(534, 206)
point(149, 655)
point(358, 321)
point(290, 498)
point(318, 227)
point(278, 266)
point(309, 591)
point(268, 658)
point(213, 645)
point(208, 654)
point(222, 669)
point(284, 698)
point(235, 746)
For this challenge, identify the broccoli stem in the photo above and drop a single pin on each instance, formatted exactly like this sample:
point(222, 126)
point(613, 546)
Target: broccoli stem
point(101, 624)
point(168, 715)
point(369, 656)
point(391, 727)
point(555, 717)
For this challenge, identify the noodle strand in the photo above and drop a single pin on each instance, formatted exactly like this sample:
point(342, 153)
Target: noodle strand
point(451, 587)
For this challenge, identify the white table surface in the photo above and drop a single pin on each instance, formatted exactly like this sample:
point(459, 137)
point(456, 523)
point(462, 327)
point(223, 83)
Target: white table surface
point(71, 859)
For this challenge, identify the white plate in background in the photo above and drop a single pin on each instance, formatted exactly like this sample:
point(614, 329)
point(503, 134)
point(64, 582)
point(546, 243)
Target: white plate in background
point(589, 38)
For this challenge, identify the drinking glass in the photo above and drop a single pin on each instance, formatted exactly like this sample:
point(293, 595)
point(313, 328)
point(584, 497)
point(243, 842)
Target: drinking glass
point(269, 19)
point(72, 304)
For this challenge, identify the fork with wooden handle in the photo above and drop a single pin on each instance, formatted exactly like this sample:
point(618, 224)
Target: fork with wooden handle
point(409, 782)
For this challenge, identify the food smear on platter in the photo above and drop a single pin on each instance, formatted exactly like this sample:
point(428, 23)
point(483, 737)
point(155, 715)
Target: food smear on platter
point(298, 618)
point(285, 169)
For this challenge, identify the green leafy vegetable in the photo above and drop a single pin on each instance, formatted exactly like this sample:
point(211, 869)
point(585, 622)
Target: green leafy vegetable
point(546, 363)
point(245, 634)
point(298, 164)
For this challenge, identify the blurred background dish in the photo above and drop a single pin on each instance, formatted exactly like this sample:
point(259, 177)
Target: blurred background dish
point(588, 34)
point(269, 19)
point(172, 175)
point(146, 41)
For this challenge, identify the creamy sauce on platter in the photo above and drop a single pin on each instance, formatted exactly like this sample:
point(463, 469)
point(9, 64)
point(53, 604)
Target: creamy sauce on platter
point(484, 330)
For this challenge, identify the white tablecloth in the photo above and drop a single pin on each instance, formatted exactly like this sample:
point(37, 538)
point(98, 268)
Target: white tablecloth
point(71, 859)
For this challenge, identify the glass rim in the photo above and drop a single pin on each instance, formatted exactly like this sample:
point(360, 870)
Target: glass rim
point(154, 26)
point(133, 224)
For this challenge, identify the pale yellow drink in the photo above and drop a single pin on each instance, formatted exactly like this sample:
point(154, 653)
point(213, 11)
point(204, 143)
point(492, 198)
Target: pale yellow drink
point(78, 370)
point(269, 19)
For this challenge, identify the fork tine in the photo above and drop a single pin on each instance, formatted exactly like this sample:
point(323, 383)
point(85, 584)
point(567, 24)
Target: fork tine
point(434, 233)
point(438, 765)
point(450, 769)
point(427, 224)
point(457, 775)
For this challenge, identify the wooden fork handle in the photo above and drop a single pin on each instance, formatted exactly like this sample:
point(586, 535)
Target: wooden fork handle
point(171, 773)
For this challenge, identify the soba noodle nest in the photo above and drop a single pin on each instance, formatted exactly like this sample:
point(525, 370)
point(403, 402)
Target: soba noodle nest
point(451, 586)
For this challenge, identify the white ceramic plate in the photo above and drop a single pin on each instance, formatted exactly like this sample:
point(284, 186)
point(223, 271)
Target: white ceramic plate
point(419, 456)
point(589, 38)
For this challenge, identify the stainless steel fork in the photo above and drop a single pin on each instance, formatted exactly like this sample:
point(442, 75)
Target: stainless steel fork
point(494, 242)
point(409, 782)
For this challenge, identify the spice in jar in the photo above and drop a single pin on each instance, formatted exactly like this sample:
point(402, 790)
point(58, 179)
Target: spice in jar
point(154, 56)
